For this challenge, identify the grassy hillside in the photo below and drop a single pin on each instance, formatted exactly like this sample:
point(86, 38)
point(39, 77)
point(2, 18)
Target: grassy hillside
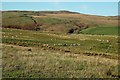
point(56, 21)
point(59, 44)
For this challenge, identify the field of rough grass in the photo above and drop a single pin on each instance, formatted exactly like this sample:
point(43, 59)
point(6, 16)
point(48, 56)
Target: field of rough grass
point(43, 63)
point(35, 54)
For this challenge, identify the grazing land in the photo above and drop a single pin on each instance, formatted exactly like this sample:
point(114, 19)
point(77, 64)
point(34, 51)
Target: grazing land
point(101, 31)
point(59, 44)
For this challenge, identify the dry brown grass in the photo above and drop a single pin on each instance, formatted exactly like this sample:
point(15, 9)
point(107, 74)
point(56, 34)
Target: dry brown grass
point(55, 63)
point(88, 18)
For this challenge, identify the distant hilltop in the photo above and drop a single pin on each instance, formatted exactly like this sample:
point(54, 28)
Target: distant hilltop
point(50, 12)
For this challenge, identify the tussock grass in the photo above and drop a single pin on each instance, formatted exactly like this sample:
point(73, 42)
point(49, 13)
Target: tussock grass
point(20, 62)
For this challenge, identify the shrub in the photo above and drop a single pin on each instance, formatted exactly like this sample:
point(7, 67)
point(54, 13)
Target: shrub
point(37, 29)
point(71, 31)
point(29, 49)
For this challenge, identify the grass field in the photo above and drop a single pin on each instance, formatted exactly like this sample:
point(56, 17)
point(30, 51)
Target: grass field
point(40, 63)
point(45, 55)
point(81, 43)
point(101, 30)
point(59, 44)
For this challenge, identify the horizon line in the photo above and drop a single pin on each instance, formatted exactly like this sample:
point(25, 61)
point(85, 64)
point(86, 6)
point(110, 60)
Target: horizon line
point(62, 10)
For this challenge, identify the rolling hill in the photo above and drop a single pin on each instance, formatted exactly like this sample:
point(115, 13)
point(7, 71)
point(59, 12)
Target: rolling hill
point(58, 21)
point(59, 44)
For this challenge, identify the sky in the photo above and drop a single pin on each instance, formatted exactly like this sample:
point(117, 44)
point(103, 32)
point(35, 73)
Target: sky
point(60, 0)
point(93, 8)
